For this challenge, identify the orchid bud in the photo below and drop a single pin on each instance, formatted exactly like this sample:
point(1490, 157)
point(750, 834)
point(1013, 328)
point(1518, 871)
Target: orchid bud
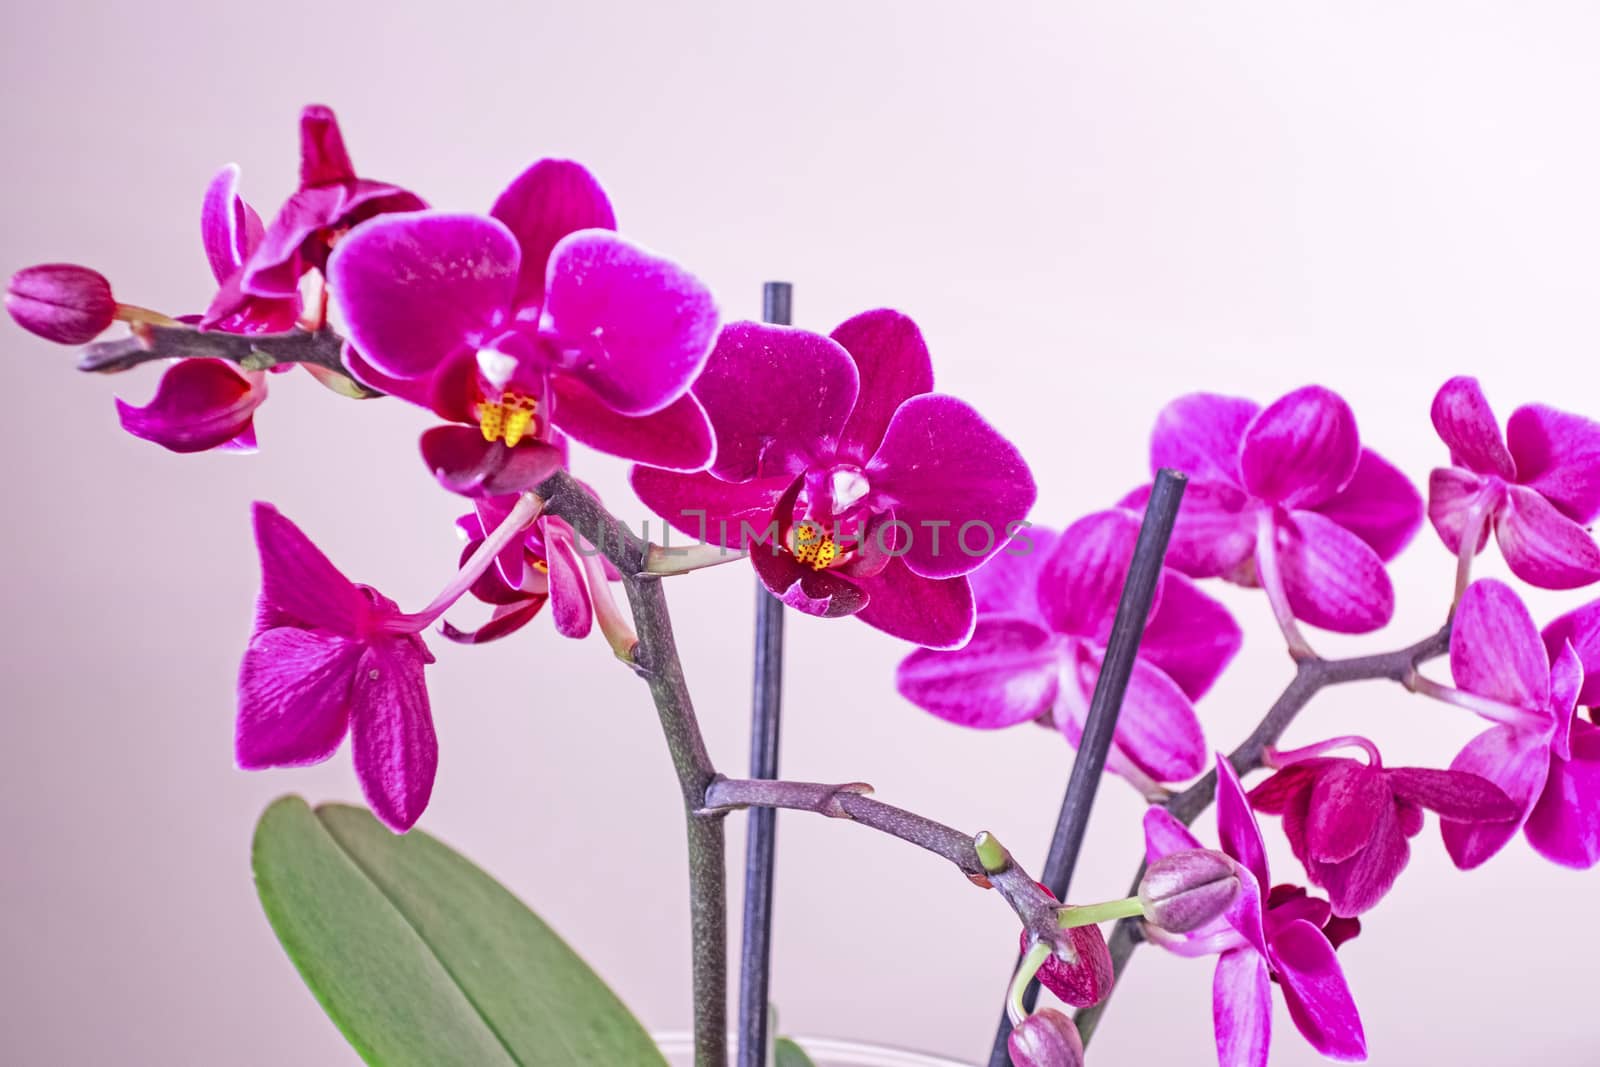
point(1186, 890)
point(1047, 1038)
point(61, 302)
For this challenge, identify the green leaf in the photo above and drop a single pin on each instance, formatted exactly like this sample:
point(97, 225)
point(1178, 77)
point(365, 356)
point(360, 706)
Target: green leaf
point(788, 1054)
point(423, 960)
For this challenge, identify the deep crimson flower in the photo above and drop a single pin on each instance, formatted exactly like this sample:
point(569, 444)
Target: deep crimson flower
point(840, 469)
point(544, 565)
point(331, 200)
point(1545, 758)
point(1045, 607)
point(211, 403)
point(1287, 497)
point(1348, 822)
point(329, 657)
point(1283, 937)
point(1086, 978)
point(533, 319)
point(1536, 488)
point(61, 302)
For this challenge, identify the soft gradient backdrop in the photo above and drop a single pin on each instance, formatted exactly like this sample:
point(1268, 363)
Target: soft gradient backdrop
point(1089, 208)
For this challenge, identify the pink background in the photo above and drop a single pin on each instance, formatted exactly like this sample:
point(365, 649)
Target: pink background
point(1089, 208)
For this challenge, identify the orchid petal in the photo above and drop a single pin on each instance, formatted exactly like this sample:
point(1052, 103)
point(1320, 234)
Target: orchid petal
point(1241, 1008)
point(323, 157)
point(1346, 804)
point(1542, 546)
point(1580, 629)
point(1454, 496)
point(1007, 674)
point(543, 204)
point(1564, 826)
point(1301, 450)
point(1164, 835)
point(947, 470)
point(1455, 795)
point(570, 608)
point(1007, 584)
point(677, 438)
point(229, 230)
point(1191, 637)
point(1315, 990)
point(1215, 531)
point(640, 327)
point(1332, 578)
point(1558, 457)
point(1357, 883)
point(1284, 789)
point(1566, 682)
point(1236, 825)
point(893, 365)
point(1378, 505)
point(1200, 435)
point(506, 620)
point(417, 288)
point(299, 585)
point(465, 463)
point(824, 593)
point(391, 732)
point(1080, 582)
point(1158, 728)
point(1089, 978)
point(1467, 425)
point(200, 404)
point(735, 515)
point(778, 398)
point(1517, 762)
point(1495, 651)
point(932, 612)
point(294, 698)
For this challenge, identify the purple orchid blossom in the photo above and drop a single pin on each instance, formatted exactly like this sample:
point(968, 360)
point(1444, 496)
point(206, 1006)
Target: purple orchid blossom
point(1287, 498)
point(839, 469)
point(331, 200)
point(1349, 822)
point(1284, 937)
point(1536, 487)
point(545, 565)
point(1044, 617)
point(1545, 758)
point(202, 404)
point(329, 657)
point(532, 319)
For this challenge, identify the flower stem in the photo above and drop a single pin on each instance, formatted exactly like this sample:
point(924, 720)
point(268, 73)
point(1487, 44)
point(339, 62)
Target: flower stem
point(663, 561)
point(1027, 967)
point(525, 511)
point(1311, 677)
point(1493, 710)
point(1272, 584)
point(154, 343)
point(1091, 914)
point(1471, 535)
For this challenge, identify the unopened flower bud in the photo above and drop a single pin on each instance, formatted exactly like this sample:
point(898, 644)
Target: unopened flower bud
point(61, 302)
point(1047, 1038)
point(1186, 890)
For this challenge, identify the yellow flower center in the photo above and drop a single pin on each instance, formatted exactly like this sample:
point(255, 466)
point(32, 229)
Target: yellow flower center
point(508, 419)
point(814, 545)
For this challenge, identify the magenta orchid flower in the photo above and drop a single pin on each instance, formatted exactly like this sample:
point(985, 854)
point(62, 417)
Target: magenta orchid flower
point(211, 403)
point(546, 565)
point(1286, 497)
point(329, 657)
point(532, 319)
point(1545, 758)
point(1284, 937)
point(1349, 822)
point(1045, 607)
point(1537, 487)
point(857, 490)
point(331, 200)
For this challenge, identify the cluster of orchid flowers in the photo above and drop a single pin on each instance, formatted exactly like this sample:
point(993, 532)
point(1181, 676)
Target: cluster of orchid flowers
point(855, 489)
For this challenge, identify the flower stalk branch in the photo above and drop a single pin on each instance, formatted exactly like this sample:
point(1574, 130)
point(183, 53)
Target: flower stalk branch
point(151, 343)
point(1311, 677)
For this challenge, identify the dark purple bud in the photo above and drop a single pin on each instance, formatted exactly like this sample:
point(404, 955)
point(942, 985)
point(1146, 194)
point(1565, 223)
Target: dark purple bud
point(1186, 890)
point(61, 302)
point(1047, 1038)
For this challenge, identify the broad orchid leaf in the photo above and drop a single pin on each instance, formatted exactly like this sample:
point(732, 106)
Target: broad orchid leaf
point(423, 960)
point(788, 1054)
